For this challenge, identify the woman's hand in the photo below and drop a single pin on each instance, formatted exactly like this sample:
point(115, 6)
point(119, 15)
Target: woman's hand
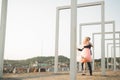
point(79, 49)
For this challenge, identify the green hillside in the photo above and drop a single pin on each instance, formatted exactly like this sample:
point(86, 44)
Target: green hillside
point(27, 62)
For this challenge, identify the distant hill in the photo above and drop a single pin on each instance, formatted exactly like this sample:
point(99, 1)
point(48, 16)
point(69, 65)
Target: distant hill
point(48, 60)
point(27, 62)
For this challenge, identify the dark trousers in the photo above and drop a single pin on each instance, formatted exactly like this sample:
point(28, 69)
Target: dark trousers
point(89, 67)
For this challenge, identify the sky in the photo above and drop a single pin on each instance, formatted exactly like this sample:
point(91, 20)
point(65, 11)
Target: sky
point(30, 29)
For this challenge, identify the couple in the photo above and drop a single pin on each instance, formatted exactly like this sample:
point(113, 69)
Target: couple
point(86, 55)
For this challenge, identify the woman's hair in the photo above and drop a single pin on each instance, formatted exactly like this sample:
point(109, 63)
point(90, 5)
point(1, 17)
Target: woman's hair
point(86, 40)
point(89, 38)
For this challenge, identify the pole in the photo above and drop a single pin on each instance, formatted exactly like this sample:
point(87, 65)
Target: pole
point(73, 34)
point(56, 42)
point(103, 41)
point(93, 64)
point(80, 40)
point(2, 34)
point(114, 46)
point(107, 58)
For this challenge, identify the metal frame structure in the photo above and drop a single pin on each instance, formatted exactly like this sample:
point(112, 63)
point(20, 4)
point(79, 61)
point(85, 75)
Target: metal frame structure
point(95, 23)
point(107, 51)
point(73, 8)
point(115, 49)
point(107, 48)
point(108, 39)
point(112, 43)
point(2, 33)
point(111, 51)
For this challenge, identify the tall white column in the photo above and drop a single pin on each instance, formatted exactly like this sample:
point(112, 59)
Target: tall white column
point(93, 54)
point(103, 39)
point(73, 33)
point(119, 44)
point(114, 45)
point(112, 58)
point(107, 58)
point(2, 34)
point(80, 40)
point(56, 42)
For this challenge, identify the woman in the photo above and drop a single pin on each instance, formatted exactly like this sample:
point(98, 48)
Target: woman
point(86, 55)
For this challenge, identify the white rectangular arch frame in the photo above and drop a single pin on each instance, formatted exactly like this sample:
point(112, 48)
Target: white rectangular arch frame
point(2, 33)
point(73, 35)
point(108, 50)
point(113, 42)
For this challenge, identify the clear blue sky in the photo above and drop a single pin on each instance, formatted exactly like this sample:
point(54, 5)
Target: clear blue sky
point(30, 29)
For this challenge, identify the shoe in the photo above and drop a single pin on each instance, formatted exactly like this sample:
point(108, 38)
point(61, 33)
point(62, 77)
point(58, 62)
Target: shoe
point(83, 74)
point(90, 74)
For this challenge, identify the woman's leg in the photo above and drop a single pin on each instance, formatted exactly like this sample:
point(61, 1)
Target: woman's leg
point(90, 67)
point(82, 65)
point(84, 68)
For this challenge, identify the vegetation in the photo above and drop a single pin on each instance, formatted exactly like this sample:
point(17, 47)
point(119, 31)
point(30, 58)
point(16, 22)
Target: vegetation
point(27, 62)
point(48, 60)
